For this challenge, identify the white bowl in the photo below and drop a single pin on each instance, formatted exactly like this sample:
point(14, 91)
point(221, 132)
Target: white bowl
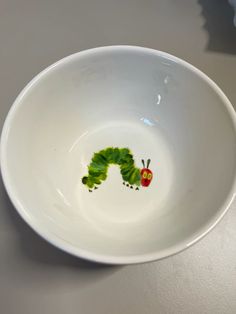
point(159, 107)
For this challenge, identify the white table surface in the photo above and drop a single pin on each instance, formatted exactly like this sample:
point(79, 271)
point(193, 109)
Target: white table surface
point(38, 278)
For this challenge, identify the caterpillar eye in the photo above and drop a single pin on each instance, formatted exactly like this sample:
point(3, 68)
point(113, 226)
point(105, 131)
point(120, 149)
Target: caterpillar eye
point(149, 176)
point(145, 175)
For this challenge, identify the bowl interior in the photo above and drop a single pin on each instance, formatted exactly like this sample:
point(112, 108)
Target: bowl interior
point(155, 105)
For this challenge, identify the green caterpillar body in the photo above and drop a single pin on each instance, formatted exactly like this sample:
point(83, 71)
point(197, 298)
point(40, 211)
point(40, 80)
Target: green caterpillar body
point(97, 169)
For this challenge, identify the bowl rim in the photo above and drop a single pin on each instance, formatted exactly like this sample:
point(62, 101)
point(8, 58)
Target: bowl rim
point(86, 254)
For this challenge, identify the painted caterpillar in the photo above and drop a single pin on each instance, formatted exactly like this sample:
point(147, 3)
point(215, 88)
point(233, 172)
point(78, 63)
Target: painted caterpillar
point(132, 176)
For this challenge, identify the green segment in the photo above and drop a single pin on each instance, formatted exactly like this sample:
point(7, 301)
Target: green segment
point(97, 170)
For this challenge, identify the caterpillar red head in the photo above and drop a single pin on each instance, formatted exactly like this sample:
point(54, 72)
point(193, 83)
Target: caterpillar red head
point(146, 174)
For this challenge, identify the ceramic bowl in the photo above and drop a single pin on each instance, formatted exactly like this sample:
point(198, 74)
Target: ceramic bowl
point(120, 154)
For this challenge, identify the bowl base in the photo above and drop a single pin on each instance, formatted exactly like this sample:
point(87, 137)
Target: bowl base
point(115, 205)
